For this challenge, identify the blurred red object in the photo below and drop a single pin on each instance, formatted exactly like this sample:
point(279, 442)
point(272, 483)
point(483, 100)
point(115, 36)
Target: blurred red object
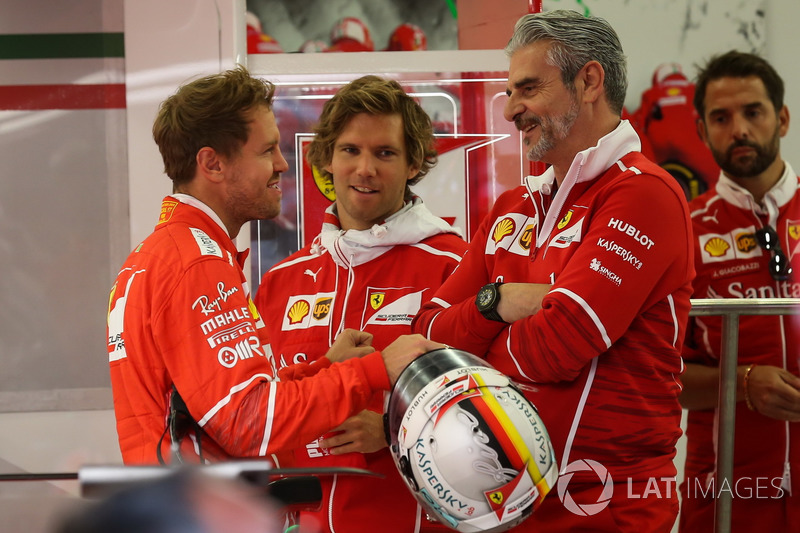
point(667, 118)
point(407, 37)
point(257, 41)
point(313, 45)
point(351, 35)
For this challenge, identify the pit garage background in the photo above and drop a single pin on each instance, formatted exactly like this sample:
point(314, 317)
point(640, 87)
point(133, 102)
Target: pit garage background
point(82, 180)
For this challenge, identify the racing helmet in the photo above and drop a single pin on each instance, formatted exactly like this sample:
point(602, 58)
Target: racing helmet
point(407, 37)
point(469, 445)
point(350, 34)
point(257, 41)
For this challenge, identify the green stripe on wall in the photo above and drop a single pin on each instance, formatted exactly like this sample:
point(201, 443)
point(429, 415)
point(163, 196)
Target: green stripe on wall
point(61, 45)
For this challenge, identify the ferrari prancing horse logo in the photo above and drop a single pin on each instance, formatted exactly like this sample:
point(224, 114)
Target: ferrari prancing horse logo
point(564, 221)
point(376, 299)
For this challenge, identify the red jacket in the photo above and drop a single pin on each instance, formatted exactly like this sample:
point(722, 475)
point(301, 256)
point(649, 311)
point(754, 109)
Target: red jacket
point(730, 264)
point(180, 314)
point(373, 280)
point(602, 357)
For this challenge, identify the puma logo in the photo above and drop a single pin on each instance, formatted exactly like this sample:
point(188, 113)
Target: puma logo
point(713, 217)
point(312, 274)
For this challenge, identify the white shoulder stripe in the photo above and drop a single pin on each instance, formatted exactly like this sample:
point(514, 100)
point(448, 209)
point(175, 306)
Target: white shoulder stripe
point(623, 168)
point(227, 399)
point(440, 302)
point(273, 391)
point(589, 311)
point(430, 326)
point(705, 208)
point(435, 251)
point(294, 262)
point(671, 303)
point(513, 357)
point(576, 420)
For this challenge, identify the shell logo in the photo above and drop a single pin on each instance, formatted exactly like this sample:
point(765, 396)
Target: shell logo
point(716, 247)
point(298, 311)
point(503, 228)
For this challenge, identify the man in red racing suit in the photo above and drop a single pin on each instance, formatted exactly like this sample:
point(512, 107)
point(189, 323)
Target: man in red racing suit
point(180, 314)
point(379, 295)
point(583, 281)
point(370, 268)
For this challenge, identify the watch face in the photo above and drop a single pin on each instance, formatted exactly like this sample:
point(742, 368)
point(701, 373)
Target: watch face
point(486, 297)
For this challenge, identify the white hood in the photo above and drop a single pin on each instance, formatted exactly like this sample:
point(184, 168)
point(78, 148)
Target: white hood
point(413, 223)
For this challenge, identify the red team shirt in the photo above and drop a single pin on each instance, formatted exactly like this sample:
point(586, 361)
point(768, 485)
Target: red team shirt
point(601, 360)
point(180, 314)
point(374, 280)
point(731, 264)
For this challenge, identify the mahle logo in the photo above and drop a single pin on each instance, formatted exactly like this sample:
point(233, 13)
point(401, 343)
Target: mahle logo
point(586, 509)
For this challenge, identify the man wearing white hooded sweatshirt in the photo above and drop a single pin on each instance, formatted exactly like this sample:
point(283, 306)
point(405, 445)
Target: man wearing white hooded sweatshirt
point(380, 255)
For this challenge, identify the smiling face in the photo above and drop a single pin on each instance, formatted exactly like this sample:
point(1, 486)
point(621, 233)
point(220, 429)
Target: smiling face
point(742, 128)
point(253, 175)
point(539, 104)
point(370, 170)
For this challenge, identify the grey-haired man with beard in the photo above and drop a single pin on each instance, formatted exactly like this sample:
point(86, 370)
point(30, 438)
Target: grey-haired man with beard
point(577, 283)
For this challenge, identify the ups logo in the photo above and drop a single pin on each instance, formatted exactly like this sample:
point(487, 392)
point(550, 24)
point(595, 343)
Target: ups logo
point(321, 308)
point(526, 237)
point(746, 242)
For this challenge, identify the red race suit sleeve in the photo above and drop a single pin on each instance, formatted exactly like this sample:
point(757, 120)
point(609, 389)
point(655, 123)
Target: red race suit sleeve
point(190, 322)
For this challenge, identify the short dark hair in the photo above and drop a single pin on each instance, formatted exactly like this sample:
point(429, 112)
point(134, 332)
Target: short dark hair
point(375, 96)
point(213, 111)
point(736, 64)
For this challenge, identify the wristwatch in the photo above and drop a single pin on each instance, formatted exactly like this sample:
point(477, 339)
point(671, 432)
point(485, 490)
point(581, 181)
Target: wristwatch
point(487, 300)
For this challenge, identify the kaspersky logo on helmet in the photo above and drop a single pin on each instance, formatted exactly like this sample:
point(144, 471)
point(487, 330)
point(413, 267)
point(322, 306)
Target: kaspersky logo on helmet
point(590, 508)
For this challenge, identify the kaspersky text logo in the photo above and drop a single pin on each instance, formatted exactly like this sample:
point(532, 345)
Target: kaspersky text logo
point(585, 509)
